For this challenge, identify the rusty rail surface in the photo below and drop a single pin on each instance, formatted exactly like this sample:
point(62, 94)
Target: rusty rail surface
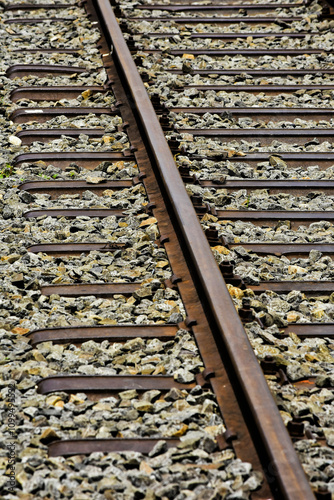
point(290, 480)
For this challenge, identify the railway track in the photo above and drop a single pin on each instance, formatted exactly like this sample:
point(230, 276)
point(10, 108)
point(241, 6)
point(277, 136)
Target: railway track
point(131, 367)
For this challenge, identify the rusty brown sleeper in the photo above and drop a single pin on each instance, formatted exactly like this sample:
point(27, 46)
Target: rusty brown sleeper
point(57, 188)
point(41, 93)
point(73, 213)
point(219, 20)
point(57, 249)
point(273, 187)
point(240, 52)
point(19, 70)
point(272, 114)
point(109, 383)
point(216, 7)
point(69, 447)
point(255, 89)
point(97, 289)
point(37, 20)
point(29, 136)
point(85, 159)
point(232, 36)
point(112, 333)
point(272, 216)
point(324, 160)
point(287, 249)
point(33, 6)
point(306, 287)
point(43, 114)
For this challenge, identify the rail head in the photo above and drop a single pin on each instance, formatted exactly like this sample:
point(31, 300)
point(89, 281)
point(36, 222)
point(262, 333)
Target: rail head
point(283, 466)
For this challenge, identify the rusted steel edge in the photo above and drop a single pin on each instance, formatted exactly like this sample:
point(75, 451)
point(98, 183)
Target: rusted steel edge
point(38, 20)
point(78, 248)
point(256, 72)
point(256, 88)
point(86, 446)
point(290, 480)
point(112, 333)
point(185, 7)
point(310, 330)
point(72, 156)
point(232, 35)
point(258, 112)
point(109, 383)
point(44, 114)
point(16, 68)
point(274, 215)
point(49, 51)
point(105, 184)
point(47, 135)
point(116, 333)
point(234, 184)
point(41, 92)
point(73, 213)
point(234, 52)
point(253, 133)
point(96, 289)
point(218, 20)
point(284, 248)
point(30, 6)
point(306, 287)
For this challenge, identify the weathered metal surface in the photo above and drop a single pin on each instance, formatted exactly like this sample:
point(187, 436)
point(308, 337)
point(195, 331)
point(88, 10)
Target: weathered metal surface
point(272, 114)
point(49, 51)
point(232, 2)
point(228, 328)
point(35, 6)
point(113, 333)
point(97, 289)
point(58, 188)
point(310, 330)
point(215, 7)
point(19, 70)
point(88, 446)
point(85, 159)
point(256, 72)
point(220, 20)
point(287, 249)
point(108, 383)
point(265, 136)
point(240, 52)
point(324, 160)
point(43, 114)
point(57, 249)
point(37, 20)
point(233, 36)
point(307, 287)
point(46, 135)
point(271, 217)
point(257, 89)
point(294, 187)
point(221, 383)
point(73, 213)
point(226, 324)
point(40, 93)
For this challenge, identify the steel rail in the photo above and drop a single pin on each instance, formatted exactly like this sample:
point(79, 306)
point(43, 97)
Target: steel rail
point(228, 36)
point(235, 52)
point(289, 480)
point(218, 20)
point(183, 7)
